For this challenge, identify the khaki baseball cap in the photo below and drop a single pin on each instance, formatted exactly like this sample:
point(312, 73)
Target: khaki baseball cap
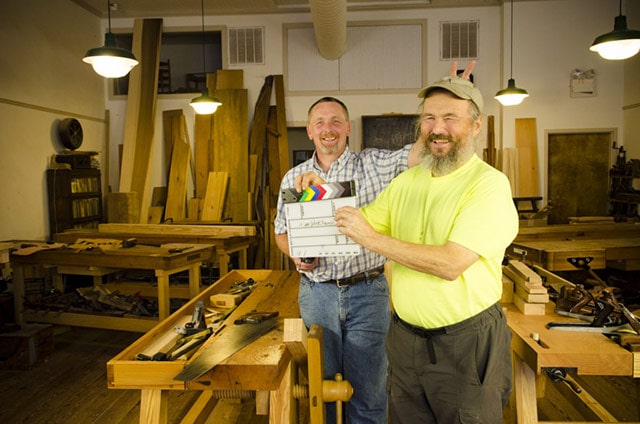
point(462, 88)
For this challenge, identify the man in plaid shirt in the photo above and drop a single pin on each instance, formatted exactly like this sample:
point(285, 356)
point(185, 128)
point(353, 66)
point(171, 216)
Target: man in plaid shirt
point(347, 295)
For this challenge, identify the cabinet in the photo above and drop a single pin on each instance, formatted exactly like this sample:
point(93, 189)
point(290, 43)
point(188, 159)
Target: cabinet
point(624, 194)
point(75, 198)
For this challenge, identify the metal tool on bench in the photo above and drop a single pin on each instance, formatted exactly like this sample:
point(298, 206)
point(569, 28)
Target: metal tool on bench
point(599, 309)
point(194, 333)
point(181, 346)
point(255, 317)
point(197, 322)
point(242, 286)
point(228, 343)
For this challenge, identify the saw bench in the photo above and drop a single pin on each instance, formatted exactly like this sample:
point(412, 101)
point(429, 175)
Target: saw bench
point(538, 350)
point(97, 262)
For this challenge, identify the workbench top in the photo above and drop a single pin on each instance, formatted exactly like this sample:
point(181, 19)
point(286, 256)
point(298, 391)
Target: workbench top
point(136, 257)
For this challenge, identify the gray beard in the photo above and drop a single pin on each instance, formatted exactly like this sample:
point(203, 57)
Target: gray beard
point(439, 166)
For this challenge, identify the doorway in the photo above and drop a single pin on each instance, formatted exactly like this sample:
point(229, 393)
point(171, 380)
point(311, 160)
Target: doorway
point(578, 174)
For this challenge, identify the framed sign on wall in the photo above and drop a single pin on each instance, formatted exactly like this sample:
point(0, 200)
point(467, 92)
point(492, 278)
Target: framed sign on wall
point(389, 132)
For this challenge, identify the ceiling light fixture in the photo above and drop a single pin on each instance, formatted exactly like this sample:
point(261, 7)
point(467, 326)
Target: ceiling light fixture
point(511, 95)
point(204, 104)
point(621, 43)
point(109, 60)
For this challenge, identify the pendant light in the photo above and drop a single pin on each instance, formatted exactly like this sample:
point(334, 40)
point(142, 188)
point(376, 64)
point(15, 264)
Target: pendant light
point(109, 60)
point(619, 44)
point(204, 104)
point(511, 95)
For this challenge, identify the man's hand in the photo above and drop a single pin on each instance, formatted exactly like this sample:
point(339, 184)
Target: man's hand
point(307, 179)
point(352, 224)
point(304, 266)
point(453, 71)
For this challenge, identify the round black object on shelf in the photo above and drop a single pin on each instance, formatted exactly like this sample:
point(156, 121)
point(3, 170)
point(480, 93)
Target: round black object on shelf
point(70, 132)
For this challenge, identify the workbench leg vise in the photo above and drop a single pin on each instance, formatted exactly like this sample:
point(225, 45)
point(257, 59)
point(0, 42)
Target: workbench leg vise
point(307, 351)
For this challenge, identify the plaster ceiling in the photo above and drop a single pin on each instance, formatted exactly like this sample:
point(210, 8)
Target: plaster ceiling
point(166, 8)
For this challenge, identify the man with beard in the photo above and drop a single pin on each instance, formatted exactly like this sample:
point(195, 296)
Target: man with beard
point(348, 295)
point(445, 225)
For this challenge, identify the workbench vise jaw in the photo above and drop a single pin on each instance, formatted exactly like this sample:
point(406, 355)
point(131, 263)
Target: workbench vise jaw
point(307, 351)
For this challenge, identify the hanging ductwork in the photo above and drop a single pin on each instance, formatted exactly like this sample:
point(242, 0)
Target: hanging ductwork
point(330, 27)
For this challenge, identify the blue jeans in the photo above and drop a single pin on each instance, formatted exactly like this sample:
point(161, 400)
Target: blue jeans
point(355, 320)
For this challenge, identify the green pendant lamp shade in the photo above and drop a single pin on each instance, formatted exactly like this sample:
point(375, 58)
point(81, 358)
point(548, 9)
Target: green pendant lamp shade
point(204, 104)
point(110, 61)
point(619, 44)
point(511, 95)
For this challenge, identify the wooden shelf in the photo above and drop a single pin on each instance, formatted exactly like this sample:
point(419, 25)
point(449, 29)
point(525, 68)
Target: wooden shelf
point(75, 199)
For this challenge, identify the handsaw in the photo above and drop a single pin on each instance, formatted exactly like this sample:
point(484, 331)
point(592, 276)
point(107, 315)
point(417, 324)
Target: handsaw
point(231, 341)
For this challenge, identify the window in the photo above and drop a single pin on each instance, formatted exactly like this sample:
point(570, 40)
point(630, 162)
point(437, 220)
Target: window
point(181, 67)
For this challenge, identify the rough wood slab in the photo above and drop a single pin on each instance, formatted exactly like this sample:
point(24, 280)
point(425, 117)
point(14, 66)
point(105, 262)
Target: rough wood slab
point(170, 128)
point(218, 231)
point(177, 187)
point(231, 150)
point(527, 146)
point(579, 231)
point(214, 198)
point(141, 105)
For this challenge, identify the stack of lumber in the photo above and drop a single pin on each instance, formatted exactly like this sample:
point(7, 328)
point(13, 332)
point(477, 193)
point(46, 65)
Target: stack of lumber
point(529, 295)
point(231, 172)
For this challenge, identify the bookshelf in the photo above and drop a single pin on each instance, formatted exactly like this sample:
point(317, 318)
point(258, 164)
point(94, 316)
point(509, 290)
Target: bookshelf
point(75, 199)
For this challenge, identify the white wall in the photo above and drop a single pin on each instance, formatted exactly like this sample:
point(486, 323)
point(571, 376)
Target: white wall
point(631, 95)
point(42, 81)
point(548, 46)
point(551, 39)
point(43, 43)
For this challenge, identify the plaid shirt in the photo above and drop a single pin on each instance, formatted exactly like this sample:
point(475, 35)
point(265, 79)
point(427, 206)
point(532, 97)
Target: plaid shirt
point(371, 170)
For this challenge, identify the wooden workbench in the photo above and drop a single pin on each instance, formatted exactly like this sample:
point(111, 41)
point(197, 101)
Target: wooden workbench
point(264, 366)
point(581, 231)
point(157, 259)
point(226, 239)
point(584, 353)
point(620, 253)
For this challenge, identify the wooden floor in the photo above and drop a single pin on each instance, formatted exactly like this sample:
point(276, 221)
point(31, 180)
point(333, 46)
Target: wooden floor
point(71, 387)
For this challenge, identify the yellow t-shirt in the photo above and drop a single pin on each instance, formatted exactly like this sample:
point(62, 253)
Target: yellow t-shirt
point(473, 207)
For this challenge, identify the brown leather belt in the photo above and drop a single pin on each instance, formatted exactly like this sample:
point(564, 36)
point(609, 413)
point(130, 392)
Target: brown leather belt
point(358, 278)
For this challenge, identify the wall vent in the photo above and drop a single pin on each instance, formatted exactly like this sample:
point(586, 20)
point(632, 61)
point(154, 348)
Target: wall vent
point(459, 40)
point(246, 46)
